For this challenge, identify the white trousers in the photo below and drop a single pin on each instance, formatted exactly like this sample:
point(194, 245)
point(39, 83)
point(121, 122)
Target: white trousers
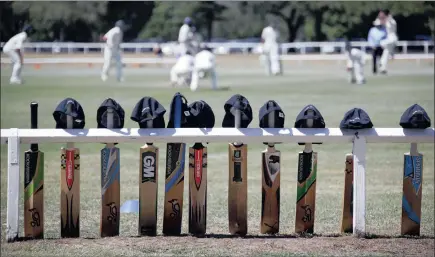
point(17, 65)
point(388, 45)
point(180, 76)
point(109, 55)
point(357, 72)
point(273, 63)
point(208, 71)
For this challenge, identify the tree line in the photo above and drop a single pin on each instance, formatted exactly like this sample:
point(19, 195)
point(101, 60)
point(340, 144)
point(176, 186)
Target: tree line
point(85, 21)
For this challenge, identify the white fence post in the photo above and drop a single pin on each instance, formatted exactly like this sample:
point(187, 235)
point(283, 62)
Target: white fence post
point(13, 186)
point(359, 192)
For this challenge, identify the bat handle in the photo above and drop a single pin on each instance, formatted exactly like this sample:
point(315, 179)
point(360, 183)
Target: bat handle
point(237, 120)
point(414, 150)
point(271, 120)
point(69, 121)
point(34, 121)
point(110, 122)
point(149, 124)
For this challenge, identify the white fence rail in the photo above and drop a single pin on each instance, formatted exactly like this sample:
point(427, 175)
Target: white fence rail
point(225, 47)
point(14, 137)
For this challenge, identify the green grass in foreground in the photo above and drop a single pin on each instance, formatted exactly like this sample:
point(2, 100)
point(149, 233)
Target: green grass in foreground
point(384, 98)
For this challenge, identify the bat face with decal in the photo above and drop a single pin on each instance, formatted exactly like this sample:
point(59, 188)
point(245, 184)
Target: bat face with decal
point(197, 189)
point(270, 207)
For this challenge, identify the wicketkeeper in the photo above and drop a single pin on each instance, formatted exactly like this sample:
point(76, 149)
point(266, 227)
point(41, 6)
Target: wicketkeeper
point(14, 49)
point(204, 66)
point(181, 72)
point(112, 50)
point(355, 64)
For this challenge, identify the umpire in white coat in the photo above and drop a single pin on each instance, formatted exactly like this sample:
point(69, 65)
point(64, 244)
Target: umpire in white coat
point(112, 50)
point(269, 37)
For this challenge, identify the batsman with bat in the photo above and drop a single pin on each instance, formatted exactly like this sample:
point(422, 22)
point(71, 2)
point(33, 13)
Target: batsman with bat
point(175, 160)
point(201, 116)
point(69, 115)
point(149, 113)
point(238, 113)
point(34, 185)
point(309, 117)
point(110, 115)
point(271, 116)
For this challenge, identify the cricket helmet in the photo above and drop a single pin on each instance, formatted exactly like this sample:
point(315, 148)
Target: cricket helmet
point(28, 29)
point(237, 102)
point(120, 24)
point(188, 21)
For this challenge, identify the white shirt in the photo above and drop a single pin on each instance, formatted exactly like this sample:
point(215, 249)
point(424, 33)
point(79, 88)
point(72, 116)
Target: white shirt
point(16, 42)
point(185, 63)
point(113, 38)
point(355, 55)
point(269, 35)
point(391, 25)
point(204, 60)
point(185, 34)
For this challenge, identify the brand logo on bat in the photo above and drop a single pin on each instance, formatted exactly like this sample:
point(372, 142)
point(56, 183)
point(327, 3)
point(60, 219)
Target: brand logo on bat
point(69, 169)
point(148, 167)
point(27, 169)
point(198, 168)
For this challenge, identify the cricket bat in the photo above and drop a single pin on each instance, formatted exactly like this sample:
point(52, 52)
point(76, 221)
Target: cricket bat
point(110, 186)
point(34, 185)
point(306, 188)
point(70, 188)
point(270, 200)
point(412, 192)
point(197, 189)
point(238, 185)
point(347, 214)
point(174, 184)
point(148, 170)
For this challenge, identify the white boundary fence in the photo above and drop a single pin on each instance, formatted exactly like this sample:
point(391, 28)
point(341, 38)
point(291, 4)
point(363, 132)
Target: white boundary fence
point(14, 137)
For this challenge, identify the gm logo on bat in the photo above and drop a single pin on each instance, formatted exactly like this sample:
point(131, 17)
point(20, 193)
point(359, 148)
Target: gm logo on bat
point(148, 167)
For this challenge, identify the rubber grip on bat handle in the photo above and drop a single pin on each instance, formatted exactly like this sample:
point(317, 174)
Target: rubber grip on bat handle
point(34, 121)
point(149, 124)
point(69, 118)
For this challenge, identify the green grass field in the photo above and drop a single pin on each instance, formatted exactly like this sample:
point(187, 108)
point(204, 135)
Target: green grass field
point(322, 84)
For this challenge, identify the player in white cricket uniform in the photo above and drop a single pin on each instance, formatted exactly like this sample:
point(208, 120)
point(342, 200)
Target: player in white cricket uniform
point(355, 64)
point(204, 66)
point(390, 42)
point(112, 50)
point(14, 49)
point(185, 36)
point(181, 72)
point(269, 37)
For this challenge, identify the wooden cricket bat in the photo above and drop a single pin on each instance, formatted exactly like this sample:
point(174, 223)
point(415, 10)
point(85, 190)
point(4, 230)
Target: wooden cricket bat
point(148, 172)
point(110, 186)
point(412, 192)
point(347, 214)
point(306, 189)
point(70, 188)
point(270, 200)
point(197, 189)
point(34, 185)
point(174, 184)
point(238, 185)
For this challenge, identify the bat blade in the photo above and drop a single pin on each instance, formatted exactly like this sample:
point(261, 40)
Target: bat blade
point(270, 204)
point(174, 185)
point(306, 192)
point(197, 189)
point(70, 192)
point(110, 191)
point(34, 194)
point(412, 194)
point(148, 172)
point(238, 189)
point(347, 214)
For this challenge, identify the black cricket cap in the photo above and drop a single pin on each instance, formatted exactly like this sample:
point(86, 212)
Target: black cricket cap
point(356, 118)
point(241, 103)
point(415, 117)
point(148, 108)
point(118, 114)
point(201, 115)
point(266, 109)
point(184, 111)
point(61, 112)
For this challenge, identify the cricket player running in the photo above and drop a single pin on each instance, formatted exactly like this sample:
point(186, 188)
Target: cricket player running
point(355, 64)
point(112, 50)
point(269, 38)
point(181, 72)
point(185, 36)
point(204, 66)
point(14, 49)
point(389, 43)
